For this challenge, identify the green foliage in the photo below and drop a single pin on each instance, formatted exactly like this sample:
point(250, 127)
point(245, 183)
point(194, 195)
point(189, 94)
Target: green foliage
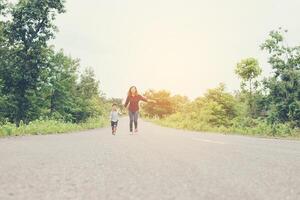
point(60, 93)
point(273, 110)
point(88, 86)
point(219, 111)
point(248, 70)
point(245, 126)
point(39, 127)
point(23, 58)
point(37, 83)
point(215, 108)
point(42, 91)
point(4, 5)
point(165, 104)
point(179, 102)
point(284, 86)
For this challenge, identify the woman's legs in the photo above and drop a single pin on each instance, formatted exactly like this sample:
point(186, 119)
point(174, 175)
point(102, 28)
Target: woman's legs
point(135, 119)
point(131, 119)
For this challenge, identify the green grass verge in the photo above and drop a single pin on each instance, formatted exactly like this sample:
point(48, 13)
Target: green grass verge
point(42, 127)
point(258, 128)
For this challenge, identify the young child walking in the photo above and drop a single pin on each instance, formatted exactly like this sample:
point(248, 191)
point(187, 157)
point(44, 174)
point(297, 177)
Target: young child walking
point(114, 118)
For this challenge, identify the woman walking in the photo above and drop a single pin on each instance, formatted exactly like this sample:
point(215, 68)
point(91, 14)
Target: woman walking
point(133, 99)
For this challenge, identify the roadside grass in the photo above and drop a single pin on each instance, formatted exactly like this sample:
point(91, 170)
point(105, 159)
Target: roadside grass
point(43, 127)
point(257, 128)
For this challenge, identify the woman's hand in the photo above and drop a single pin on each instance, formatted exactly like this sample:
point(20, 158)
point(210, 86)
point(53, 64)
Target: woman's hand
point(151, 101)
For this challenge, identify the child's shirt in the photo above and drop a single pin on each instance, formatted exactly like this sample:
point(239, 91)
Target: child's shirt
point(114, 116)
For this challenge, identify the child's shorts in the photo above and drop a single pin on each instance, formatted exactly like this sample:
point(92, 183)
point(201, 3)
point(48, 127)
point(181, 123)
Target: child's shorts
point(114, 124)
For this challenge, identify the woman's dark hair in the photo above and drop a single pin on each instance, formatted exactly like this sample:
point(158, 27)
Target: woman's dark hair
point(114, 104)
point(129, 91)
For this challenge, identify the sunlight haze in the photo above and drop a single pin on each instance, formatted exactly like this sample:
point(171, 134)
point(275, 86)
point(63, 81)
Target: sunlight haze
point(185, 47)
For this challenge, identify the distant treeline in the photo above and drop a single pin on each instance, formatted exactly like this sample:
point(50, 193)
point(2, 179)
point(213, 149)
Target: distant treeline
point(262, 106)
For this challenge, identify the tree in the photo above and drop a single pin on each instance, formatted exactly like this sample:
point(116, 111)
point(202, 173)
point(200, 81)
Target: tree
point(164, 105)
point(2, 51)
point(88, 86)
point(63, 87)
point(248, 70)
point(69, 98)
point(23, 66)
point(3, 104)
point(35, 81)
point(216, 107)
point(284, 85)
point(88, 96)
point(179, 102)
point(3, 6)
point(6, 105)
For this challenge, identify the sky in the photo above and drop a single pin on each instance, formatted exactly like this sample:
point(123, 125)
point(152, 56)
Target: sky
point(183, 46)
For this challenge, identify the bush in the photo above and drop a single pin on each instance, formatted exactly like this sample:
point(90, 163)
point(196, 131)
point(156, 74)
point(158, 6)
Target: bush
point(41, 127)
point(239, 125)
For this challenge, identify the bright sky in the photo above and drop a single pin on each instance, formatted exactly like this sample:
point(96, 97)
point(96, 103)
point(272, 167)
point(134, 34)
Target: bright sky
point(184, 46)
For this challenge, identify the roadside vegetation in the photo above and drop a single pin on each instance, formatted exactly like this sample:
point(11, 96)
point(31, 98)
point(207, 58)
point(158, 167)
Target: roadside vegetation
point(263, 106)
point(41, 127)
point(43, 90)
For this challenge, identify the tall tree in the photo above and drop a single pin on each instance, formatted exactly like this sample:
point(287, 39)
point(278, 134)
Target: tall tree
point(248, 70)
point(63, 86)
point(89, 85)
point(88, 94)
point(284, 85)
point(4, 103)
point(28, 31)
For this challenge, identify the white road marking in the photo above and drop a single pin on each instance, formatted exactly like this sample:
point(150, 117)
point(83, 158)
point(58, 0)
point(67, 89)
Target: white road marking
point(209, 141)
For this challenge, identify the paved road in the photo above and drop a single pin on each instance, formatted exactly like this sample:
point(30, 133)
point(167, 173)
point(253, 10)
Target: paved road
point(159, 163)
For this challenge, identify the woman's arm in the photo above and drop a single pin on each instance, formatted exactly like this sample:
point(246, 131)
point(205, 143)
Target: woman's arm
point(143, 98)
point(147, 100)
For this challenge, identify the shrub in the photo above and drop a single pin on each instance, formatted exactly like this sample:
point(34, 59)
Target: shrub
point(39, 127)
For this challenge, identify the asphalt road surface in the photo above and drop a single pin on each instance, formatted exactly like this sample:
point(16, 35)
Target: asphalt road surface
point(158, 163)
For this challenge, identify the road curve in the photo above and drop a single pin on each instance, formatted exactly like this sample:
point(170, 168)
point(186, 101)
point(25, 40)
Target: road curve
point(158, 163)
